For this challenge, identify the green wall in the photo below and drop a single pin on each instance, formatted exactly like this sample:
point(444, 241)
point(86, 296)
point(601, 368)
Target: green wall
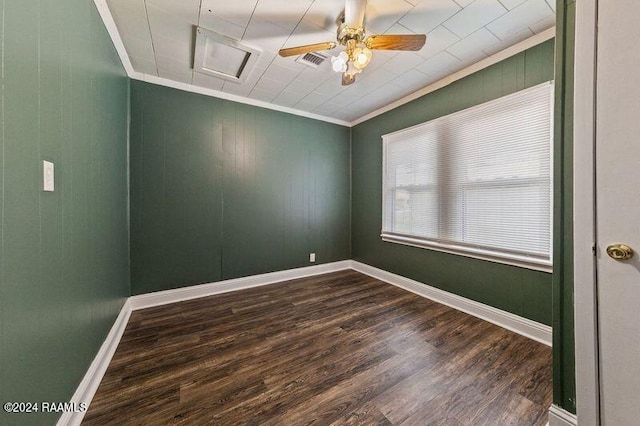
point(64, 263)
point(564, 381)
point(222, 190)
point(521, 291)
point(218, 190)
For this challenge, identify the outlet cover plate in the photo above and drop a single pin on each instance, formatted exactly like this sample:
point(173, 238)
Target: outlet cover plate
point(48, 182)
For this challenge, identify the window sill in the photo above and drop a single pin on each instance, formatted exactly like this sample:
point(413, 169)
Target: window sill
point(521, 261)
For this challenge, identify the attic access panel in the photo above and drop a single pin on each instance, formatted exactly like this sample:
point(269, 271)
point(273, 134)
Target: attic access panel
point(224, 57)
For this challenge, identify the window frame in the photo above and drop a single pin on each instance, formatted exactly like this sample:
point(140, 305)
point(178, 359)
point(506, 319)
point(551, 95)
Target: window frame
point(477, 251)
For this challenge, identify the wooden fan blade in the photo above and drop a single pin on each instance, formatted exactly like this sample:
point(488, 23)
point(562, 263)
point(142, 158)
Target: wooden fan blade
point(396, 42)
point(354, 13)
point(348, 79)
point(299, 50)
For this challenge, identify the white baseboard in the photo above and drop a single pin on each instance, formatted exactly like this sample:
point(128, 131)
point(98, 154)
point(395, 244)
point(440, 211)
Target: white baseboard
point(89, 384)
point(193, 292)
point(561, 417)
point(528, 328)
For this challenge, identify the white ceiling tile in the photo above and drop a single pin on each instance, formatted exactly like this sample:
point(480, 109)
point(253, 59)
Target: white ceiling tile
point(179, 50)
point(543, 24)
point(237, 89)
point(144, 65)
point(131, 24)
point(439, 64)
point(262, 95)
point(380, 57)
point(172, 65)
point(208, 81)
point(383, 14)
point(328, 108)
point(346, 98)
point(141, 48)
point(267, 35)
point(163, 23)
point(127, 8)
point(402, 62)
point(512, 4)
point(220, 26)
point(185, 10)
point(284, 13)
point(411, 78)
point(325, 13)
point(289, 63)
point(372, 80)
point(315, 99)
point(472, 48)
point(401, 92)
point(289, 98)
point(284, 101)
point(437, 41)
point(398, 29)
point(474, 16)
point(332, 87)
point(265, 59)
point(552, 5)
point(280, 73)
point(309, 33)
point(315, 75)
point(306, 106)
point(237, 12)
point(375, 99)
point(519, 18)
point(428, 14)
point(183, 77)
point(464, 3)
point(301, 86)
point(268, 85)
point(346, 115)
point(366, 104)
point(510, 41)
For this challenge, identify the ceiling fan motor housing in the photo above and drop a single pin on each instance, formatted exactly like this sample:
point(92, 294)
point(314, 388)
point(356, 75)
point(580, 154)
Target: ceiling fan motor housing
point(346, 33)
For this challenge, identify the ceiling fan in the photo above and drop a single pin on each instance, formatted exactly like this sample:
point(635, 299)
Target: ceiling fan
point(352, 35)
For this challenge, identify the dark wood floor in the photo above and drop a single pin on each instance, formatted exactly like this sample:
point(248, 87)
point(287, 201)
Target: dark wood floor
point(341, 348)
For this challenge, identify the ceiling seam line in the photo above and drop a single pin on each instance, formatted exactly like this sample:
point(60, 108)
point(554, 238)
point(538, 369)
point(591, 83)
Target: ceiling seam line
point(153, 47)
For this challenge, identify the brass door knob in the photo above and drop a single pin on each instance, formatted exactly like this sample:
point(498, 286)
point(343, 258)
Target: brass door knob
point(620, 252)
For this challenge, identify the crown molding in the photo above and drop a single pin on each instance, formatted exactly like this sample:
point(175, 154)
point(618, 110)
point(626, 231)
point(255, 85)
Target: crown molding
point(235, 98)
point(112, 29)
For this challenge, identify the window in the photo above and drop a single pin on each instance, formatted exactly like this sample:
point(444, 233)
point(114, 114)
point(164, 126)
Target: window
point(476, 183)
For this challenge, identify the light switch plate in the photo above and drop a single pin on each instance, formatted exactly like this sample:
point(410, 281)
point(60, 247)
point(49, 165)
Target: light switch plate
point(312, 257)
point(47, 176)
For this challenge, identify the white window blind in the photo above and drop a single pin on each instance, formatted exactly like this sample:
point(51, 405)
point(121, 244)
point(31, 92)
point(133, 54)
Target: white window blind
point(477, 182)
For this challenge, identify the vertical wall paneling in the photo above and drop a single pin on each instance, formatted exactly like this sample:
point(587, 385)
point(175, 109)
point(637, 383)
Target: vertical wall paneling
point(64, 269)
point(521, 291)
point(222, 190)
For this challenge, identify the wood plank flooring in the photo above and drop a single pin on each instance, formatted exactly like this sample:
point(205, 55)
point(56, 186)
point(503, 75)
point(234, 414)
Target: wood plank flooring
point(340, 348)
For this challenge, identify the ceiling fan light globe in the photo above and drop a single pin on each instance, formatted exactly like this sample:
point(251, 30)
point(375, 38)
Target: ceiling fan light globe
point(337, 64)
point(361, 57)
